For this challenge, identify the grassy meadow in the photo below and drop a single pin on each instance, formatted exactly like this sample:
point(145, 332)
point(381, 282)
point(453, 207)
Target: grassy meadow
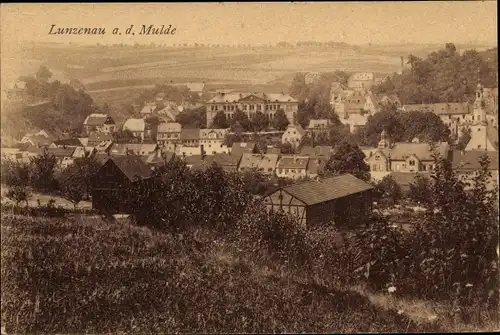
point(64, 276)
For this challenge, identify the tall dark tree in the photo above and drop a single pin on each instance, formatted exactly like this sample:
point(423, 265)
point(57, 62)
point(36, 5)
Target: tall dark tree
point(43, 73)
point(280, 121)
point(260, 122)
point(43, 168)
point(220, 120)
point(242, 119)
point(347, 158)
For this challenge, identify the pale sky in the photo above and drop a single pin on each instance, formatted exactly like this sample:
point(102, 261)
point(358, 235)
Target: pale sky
point(260, 23)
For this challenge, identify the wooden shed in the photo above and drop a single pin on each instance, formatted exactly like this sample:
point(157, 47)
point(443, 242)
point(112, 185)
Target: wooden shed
point(114, 184)
point(343, 199)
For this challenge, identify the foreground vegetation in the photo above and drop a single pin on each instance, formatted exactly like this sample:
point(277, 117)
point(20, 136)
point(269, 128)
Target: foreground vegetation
point(94, 276)
point(227, 265)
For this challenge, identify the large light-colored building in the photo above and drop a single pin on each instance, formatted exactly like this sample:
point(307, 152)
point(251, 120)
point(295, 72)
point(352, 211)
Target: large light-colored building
point(361, 81)
point(250, 104)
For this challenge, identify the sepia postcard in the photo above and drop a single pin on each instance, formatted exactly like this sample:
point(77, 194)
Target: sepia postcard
point(253, 167)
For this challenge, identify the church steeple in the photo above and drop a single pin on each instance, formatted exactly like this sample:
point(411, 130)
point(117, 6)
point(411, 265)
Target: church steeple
point(384, 141)
point(479, 113)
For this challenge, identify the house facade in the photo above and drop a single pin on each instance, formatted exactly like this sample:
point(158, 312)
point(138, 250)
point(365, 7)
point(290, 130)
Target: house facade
point(101, 123)
point(250, 104)
point(137, 127)
point(466, 165)
point(168, 133)
point(212, 141)
point(361, 81)
point(403, 157)
point(293, 135)
point(292, 166)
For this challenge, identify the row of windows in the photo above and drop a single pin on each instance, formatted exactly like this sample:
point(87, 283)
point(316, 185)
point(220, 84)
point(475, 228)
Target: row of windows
point(289, 170)
point(245, 107)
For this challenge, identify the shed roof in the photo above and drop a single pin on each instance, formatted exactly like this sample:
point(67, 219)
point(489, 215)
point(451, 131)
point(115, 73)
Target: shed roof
point(327, 189)
point(132, 166)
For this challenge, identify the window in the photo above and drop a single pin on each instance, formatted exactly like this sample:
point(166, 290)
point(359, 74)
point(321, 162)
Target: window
point(293, 171)
point(397, 167)
point(374, 167)
point(478, 129)
point(280, 170)
point(412, 163)
point(479, 146)
point(377, 158)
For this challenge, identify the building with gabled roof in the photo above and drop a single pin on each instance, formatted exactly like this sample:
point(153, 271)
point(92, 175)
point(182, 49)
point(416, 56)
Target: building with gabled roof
point(318, 126)
point(212, 141)
point(228, 163)
point(343, 199)
point(292, 166)
point(136, 126)
point(293, 135)
point(361, 81)
point(319, 151)
point(96, 138)
point(466, 165)
point(116, 185)
point(169, 132)
point(240, 148)
point(263, 163)
point(64, 156)
point(140, 149)
point(98, 122)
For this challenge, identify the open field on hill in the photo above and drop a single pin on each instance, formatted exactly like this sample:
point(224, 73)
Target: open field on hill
point(130, 279)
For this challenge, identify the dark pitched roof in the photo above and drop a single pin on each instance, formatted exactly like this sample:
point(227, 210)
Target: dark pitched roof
point(190, 134)
point(469, 160)
point(240, 148)
point(61, 152)
point(315, 192)
point(317, 151)
point(226, 160)
point(71, 142)
point(132, 166)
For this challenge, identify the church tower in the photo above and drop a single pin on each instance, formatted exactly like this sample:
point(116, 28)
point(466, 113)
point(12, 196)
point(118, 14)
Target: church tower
point(482, 135)
point(384, 141)
point(479, 112)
